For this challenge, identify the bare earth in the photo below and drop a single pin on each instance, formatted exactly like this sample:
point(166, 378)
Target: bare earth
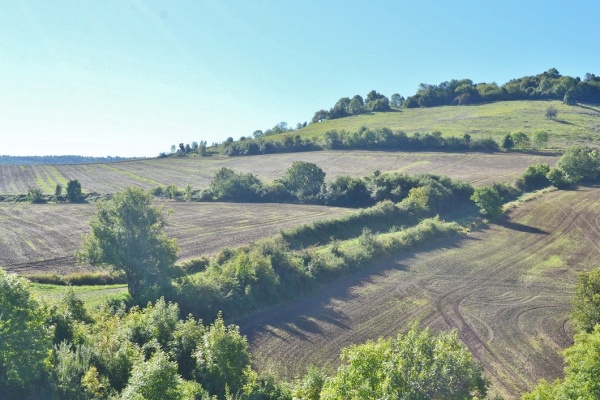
point(506, 289)
point(477, 168)
point(38, 238)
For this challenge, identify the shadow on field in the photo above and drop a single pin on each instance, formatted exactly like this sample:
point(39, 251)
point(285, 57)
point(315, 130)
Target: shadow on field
point(515, 226)
point(315, 314)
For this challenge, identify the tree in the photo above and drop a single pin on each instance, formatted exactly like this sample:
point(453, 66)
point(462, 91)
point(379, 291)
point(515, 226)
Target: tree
point(580, 163)
point(74, 191)
point(127, 234)
point(304, 179)
point(586, 304)
point(319, 116)
point(581, 373)
point(551, 112)
point(222, 358)
point(396, 100)
point(418, 365)
point(488, 200)
point(508, 142)
point(25, 341)
point(377, 102)
point(521, 140)
point(58, 191)
point(539, 139)
point(155, 379)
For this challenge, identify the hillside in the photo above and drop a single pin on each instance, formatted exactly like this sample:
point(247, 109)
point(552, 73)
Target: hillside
point(577, 124)
point(507, 289)
point(476, 168)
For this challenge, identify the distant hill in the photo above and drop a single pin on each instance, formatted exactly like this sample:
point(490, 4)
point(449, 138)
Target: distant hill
point(30, 160)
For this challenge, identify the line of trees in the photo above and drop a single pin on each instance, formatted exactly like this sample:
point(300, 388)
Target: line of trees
point(549, 85)
point(364, 138)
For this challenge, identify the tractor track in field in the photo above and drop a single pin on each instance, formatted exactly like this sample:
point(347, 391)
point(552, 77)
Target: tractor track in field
point(506, 289)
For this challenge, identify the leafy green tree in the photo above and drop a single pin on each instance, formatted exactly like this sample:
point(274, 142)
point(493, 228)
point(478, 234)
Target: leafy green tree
point(232, 186)
point(58, 191)
point(155, 379)
point(25, 341)
point(74, 191)
point(581, 373)
point(418, 365)
point(586, 304)
point(580, 163)
point(539, 139)
point(488, 200)
point(357, 105)
point(319, 116)
point(535, 177)
point(557, 178)
point(222, 358)
point(304, 179)
point(521, 140)
point(396, 100)
point(508, 142)
point(127, 234)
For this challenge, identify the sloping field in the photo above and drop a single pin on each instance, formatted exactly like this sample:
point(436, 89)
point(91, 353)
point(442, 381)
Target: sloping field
point(507, 290)
point(44, 237)
point(574, 124)
point(477, 168)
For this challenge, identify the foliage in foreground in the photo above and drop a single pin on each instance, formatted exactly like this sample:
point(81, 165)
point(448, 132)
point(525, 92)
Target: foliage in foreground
point(418, 365)
point(581, 373)
point(150, 353)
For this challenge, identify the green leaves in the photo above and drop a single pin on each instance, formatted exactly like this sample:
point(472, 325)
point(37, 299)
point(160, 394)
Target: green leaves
point(127, 235)
point(25, 341)
point(418, 365)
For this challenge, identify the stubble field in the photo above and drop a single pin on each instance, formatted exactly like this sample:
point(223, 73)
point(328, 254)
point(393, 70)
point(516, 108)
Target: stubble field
point(476, 168)
point(506, 289)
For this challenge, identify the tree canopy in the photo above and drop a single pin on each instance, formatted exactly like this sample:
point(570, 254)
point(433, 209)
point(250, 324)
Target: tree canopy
point(418, 365)
point(127, 234)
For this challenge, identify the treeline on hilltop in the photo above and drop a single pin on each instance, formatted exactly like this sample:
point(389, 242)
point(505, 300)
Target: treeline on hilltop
point(549, 85)
point(67, 159)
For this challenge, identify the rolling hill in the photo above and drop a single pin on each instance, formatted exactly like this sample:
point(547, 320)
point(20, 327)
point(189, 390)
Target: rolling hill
point(578, 124)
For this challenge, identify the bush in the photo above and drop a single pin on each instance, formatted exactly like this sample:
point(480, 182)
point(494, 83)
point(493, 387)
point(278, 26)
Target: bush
point(488, 200)
point(232, 186)
point(535, 177)
point(580, 163)
point(35, 196)
point(74, 191)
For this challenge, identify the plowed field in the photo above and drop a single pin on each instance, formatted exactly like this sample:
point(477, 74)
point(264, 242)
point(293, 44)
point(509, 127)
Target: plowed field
point(476, 168)
point(44, 237)
point(506, 289)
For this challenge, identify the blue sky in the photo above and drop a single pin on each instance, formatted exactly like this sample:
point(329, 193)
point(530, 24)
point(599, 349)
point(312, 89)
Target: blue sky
point(131, 78)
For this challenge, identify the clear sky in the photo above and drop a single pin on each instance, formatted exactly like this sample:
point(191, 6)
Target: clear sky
point(131, 78)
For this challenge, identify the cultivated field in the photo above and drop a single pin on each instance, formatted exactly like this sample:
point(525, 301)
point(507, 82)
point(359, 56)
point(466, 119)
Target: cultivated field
point(574, 124)
point(477, 168)
point(507, 289)
point(38, 238)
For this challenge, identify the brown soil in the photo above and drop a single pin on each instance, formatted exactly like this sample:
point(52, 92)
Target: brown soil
point(37, 238)
point(476, 168)
point(506, 289)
